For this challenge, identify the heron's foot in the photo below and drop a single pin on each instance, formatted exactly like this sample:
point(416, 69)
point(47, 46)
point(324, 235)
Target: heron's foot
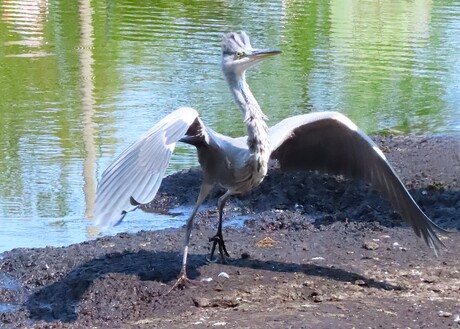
point(183, 282)
point(218, 239)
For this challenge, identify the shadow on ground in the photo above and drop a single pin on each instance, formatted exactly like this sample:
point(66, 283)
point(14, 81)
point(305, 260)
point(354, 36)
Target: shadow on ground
point(58, 301)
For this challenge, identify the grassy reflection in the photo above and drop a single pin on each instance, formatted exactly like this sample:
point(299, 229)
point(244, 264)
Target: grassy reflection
point(81, 80)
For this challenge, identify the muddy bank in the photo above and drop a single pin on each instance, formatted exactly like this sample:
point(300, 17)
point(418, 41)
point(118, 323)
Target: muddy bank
point(316, 251)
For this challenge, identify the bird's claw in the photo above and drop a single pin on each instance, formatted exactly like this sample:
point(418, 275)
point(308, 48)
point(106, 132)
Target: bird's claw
point(183, 282)
point(218, 240)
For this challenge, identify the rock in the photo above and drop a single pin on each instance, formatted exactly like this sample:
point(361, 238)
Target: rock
point(245, 255)
point(445, 314)
point(318, 258)
point(318, 298)
point(430, 279)
point(201, 302)
point(206, 280)
point(219, 324)
point(214, 302)
point(360, 283)
point(224, 275)
point(266, 242)
point(370, 245)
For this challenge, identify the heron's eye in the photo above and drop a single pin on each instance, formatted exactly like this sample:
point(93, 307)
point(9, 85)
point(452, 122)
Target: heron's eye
point(239, 54)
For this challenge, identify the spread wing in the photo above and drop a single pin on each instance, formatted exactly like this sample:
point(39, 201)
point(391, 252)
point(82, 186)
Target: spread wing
point(330, 142)
point(136, 174)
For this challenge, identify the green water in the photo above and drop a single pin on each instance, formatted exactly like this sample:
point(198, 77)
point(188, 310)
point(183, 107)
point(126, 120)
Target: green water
point(81, 80)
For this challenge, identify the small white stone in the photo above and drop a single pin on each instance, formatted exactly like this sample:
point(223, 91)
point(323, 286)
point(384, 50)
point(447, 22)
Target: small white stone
point(318, 258)
point(224, 275)
point(444, 314)
point(206, 280)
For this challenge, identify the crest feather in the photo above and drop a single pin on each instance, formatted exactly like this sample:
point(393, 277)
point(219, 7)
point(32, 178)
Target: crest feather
point(233, 42)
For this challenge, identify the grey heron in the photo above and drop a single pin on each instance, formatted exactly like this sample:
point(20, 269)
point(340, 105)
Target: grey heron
point(325, 141)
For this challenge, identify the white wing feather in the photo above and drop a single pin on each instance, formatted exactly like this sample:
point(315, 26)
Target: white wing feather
point(138, 171)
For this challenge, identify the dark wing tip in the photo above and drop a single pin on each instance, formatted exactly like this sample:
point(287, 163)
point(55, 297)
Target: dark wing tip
point(432, 239)
point(133, 201)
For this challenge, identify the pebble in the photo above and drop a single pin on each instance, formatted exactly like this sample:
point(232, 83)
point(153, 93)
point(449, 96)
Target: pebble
point(317, 299)
point(445, 314)
point(245, 255)
point(316, 296)
point(266, 242)
point(318, 258)
point(201, 302)
point(224, 275)
point(206, 280)
point(370, 245)
point(430, 279)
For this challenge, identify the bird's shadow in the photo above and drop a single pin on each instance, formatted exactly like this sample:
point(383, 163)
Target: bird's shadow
point(58, 301)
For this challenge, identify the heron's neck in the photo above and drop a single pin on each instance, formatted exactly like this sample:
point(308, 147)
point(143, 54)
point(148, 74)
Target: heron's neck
point(256, 126)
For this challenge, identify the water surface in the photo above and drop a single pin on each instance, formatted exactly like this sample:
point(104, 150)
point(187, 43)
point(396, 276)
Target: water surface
point(81, 80)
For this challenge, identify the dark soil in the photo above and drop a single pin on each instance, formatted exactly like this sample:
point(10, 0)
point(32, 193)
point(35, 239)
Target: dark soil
point(315, 251)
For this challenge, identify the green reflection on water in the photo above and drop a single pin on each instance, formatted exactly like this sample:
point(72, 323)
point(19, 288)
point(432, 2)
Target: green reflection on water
point(80, 80)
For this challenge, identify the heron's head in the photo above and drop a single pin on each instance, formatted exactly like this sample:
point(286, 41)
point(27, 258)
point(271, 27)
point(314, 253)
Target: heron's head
point(238, 54)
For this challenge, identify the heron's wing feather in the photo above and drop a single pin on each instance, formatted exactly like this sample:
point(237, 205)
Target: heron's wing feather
point(136, 174)
point(330, 142)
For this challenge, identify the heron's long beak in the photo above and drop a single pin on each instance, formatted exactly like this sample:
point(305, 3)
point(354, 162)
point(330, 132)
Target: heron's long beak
point(262, 53)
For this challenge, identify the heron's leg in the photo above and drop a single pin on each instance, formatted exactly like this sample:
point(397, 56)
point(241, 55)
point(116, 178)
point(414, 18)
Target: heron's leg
point(183, 279)
point(218, 238)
